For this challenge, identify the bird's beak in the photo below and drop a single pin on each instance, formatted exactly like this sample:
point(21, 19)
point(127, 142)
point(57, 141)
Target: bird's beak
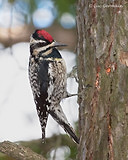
point(57, 44)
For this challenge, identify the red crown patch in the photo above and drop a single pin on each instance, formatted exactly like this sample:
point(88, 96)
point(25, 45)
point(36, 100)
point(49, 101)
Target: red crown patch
point(45, 34)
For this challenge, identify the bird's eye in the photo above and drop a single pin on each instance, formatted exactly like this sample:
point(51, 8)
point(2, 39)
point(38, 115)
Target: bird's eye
point(43, 42)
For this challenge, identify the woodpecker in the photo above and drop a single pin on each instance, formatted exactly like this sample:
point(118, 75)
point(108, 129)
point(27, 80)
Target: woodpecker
point(48, 77)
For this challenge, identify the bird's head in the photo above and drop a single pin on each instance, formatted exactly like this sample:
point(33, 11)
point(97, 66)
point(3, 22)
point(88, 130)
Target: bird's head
point(42, 41)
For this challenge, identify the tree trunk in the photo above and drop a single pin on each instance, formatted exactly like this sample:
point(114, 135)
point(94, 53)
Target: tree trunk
point(102, 64)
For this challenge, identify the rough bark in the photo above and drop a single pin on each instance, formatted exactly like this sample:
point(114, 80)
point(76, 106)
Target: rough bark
point(36, 147)
point(19, 152)
point(102, 63)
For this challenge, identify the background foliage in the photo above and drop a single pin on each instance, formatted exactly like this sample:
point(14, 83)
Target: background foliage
point(20, 32)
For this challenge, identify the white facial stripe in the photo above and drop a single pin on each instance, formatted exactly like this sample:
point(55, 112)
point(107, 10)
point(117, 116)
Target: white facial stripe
point(33, 41)
point(46, 47)
point(41, 48)
point(37, 50)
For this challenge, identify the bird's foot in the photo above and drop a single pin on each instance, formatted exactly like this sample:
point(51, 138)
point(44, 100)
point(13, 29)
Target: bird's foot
point(67, 95)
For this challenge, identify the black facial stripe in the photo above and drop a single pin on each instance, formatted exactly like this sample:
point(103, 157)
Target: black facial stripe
point(38, 45)
point(43, 51)
point(53, 54)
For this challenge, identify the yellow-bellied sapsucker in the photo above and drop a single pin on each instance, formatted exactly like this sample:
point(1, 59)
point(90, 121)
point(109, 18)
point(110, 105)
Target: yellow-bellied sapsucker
point(47, 74)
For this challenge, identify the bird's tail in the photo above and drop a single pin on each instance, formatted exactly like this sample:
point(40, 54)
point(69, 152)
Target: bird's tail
point(43, 117)
point(59, 116)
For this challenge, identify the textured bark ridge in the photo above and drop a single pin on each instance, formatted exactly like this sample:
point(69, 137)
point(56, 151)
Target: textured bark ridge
point(19, 152)
point(102, 63)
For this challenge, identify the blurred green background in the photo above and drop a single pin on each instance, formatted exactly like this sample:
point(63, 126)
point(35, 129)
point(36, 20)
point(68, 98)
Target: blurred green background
point(18, 19)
